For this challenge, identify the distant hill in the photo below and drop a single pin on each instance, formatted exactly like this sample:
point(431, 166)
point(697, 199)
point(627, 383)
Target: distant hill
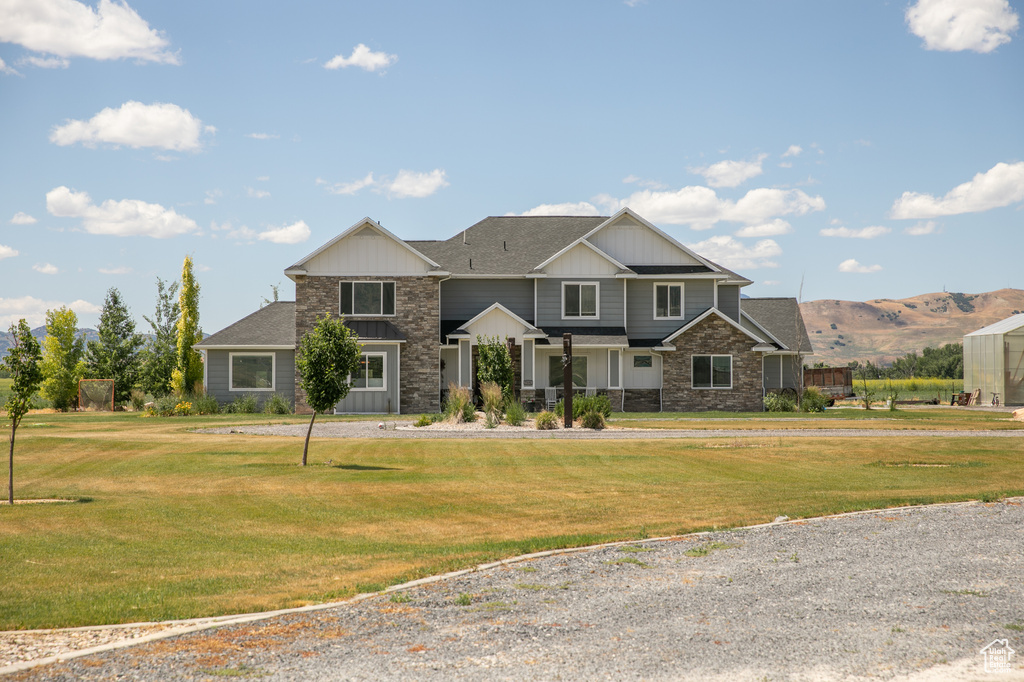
point(885, 329)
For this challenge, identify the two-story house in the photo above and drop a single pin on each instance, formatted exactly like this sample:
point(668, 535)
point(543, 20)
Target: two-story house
point(654, 325)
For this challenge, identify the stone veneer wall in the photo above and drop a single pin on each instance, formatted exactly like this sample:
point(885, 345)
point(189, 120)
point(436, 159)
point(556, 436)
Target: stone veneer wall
point(642, 400)
point(417, 301)
point(712, 336)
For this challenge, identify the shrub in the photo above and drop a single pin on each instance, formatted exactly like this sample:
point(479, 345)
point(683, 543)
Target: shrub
point(243, 404)
point(204, 403)
point(183, 408)
point(592, 420)
point(459, 406)
point(138, 400)
point(515, 413)
point(491, 393)
point(892, 395)
point(776, 402)
point(164, 406)
point(547, 421)
point(427, 419)
point(276, 404)
point(582, 404)
point(813, 400)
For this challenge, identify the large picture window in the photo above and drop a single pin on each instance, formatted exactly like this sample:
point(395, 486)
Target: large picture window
point(712, 371)
point(371, 374)
point(668, 301)
point(556, 376)
point(580, 300)
point(367, 298)
point(251, 371)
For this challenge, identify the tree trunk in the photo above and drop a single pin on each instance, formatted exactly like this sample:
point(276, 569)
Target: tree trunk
point(10, 468)
point(305, 448)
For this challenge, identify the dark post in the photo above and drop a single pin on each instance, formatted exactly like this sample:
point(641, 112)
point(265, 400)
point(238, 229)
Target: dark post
point(567, 378)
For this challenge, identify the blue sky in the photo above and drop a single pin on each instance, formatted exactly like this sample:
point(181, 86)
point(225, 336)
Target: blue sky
point(869, 149)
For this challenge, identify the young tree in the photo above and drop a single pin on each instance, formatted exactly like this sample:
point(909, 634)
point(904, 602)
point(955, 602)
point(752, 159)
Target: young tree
point(276, 289)
point(62, 358)
point(161, 354)
point(494, 363)
point(116, 354)
point(22, 362)
point(188, 369)
point(328, 355)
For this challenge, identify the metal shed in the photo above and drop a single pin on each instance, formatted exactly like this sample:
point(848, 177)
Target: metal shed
point(994, 361)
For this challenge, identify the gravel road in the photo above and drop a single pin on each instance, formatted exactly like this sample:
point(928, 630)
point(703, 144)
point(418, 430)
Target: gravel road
point(898, 594)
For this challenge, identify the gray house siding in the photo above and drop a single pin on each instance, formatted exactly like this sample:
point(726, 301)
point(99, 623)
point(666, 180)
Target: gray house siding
point(698, 296)
point(464, 299)
point(383, 402)
point(549, 303)
point(217, 376)
point(729, 301)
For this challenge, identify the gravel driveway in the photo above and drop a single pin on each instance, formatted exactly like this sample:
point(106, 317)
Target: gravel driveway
point(912, 593)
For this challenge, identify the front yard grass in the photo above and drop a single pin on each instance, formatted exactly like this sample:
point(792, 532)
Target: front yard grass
point(180, 524)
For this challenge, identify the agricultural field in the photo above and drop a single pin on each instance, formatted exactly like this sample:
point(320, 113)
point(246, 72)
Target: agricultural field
point(912, 389)
point(168, 523)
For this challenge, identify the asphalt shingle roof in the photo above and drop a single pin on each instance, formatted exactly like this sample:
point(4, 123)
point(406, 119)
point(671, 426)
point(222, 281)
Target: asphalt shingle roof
point(781, 317)
point(271, 325)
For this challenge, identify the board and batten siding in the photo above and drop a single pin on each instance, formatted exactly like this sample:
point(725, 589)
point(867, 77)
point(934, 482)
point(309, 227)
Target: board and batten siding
point(641, 377)
point(549, 303)
point(698, 296)
point(217, 376)
point(597, 365)
point(464, 299)
point(729, 301)
point(376, 402)
point(633, 244)
point(366, 252)
point(581, 261)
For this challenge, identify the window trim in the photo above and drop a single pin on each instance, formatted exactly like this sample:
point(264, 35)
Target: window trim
point(368, 389)
point(231, 372)
point(380, 283)
point(712, 386)
point(616, 381)
point(682, 301)
point(597, 300)
point(575, 386)
point(637, 356)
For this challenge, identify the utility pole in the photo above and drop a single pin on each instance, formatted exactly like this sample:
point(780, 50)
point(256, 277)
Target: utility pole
point(567, 378)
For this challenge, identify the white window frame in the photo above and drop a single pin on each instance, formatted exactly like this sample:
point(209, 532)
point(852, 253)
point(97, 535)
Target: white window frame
point(231, 372)
point(712, 387)
point(381, 284)
point(682, 301)
point(381, 354)
point(597, 301)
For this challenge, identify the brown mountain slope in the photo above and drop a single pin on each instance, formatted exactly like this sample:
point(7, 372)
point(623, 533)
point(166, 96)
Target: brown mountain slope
point(885, 329)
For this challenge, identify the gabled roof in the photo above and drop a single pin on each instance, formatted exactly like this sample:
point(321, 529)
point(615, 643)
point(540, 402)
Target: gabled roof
point(462, 331)
point(781, 318)
point(1010, 324)
point(667, 341)
point(583, 242)
point(270, 327)
point(298, 267)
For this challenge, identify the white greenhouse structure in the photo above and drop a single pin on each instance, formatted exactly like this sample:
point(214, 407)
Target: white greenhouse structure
point(994, 361)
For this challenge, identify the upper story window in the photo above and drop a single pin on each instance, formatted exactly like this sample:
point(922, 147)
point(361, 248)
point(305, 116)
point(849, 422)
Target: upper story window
point(580, 300)
point(367, 298)
point(668, 301)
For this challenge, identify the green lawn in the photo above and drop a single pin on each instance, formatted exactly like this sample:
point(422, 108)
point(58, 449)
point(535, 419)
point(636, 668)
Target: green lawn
point(179, 524)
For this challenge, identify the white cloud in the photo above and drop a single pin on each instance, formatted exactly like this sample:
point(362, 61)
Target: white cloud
point(33, 310)
point(67, 28)
point(772, 229)
point(348, 187)
point(785, 164)
point(417, 185)
point(46, 62)
point(295, 233)
point(582, 208)
point(731, 173)
point(21, 218)
point(123, 270)
point(263, 178)
point(263, 136)
point(128, 217)
point(650, 184)
point(46, 268)
point(771, 282)
point(794, 150)
point(863, 233)
point(701, 208)
point(733, 253)
point(1000, 186)
point(241, 234)
point(851, 265)
point(256, 193)
point(7, 252)
point(165, 126)
point(364, 58)
point(212, 195)
point(955, 25)
point(7, 69)
point(921, 229)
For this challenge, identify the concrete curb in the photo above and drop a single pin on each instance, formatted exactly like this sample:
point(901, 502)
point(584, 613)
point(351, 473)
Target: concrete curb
point(200, 624)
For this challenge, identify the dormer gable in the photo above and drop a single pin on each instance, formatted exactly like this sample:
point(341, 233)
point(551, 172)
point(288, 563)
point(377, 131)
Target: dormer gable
point(630, 239)
point(365, 249)
point(581, 259)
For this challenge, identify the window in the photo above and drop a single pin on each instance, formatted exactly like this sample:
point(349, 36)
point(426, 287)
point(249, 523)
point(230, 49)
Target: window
point(712, 371)
point(613, 368)
point(580, 299)
point(367, 298)
point(556, 375)
point(371, 374)
point(642, 361)
point(251, 371)
point(668, 301)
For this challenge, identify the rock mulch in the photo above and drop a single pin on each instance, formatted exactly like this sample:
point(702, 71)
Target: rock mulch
point(897, 594)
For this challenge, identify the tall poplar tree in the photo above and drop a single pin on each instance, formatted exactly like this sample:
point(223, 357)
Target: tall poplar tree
point(188, 370)
point(62, 364)
point(160, 356)
point(116, 354)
